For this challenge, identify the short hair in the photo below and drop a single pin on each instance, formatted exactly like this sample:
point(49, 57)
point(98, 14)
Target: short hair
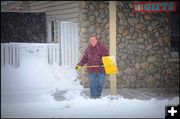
point(92, 35)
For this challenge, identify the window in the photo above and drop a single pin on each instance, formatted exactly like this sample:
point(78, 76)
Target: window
point(174, 38)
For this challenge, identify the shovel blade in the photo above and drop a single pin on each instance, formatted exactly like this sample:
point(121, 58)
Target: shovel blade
point(109, 63)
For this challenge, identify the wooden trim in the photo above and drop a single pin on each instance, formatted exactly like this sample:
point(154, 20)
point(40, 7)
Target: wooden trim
point(112, 43)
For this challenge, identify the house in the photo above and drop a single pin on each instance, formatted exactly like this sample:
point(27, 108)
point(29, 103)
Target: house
point(147, 51)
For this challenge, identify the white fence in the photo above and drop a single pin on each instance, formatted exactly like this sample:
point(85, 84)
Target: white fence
point(53, 53)
point(11, 52)
point(65, 53)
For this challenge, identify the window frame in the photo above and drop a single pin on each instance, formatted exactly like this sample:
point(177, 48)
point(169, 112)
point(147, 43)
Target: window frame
point(50, 33)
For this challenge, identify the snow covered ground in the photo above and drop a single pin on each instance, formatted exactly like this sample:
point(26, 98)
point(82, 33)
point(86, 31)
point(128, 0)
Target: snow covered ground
point(27, 91)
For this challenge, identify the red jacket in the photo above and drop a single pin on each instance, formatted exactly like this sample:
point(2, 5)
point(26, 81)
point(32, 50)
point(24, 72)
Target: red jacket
point(93, 56)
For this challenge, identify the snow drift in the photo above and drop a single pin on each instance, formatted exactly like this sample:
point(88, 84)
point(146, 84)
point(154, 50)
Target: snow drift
point(27, 91)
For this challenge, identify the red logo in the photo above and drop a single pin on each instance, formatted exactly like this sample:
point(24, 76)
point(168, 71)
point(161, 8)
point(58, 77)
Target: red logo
point(155, 7)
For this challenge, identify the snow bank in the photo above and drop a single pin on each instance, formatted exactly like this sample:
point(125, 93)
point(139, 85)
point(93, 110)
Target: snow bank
point(26, 92)
point(36, 75)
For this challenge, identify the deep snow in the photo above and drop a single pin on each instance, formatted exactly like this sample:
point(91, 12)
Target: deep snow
point(27, 91)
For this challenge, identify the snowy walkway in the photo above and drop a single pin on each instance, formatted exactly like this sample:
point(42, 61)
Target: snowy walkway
point(68, 104)
point(140, 93)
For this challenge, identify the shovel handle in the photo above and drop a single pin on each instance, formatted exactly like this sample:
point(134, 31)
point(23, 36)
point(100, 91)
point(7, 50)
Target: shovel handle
point(92, 66)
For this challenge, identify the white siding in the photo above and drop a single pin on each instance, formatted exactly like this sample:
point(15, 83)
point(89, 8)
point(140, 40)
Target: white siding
point(40, 4)
point(63, 10)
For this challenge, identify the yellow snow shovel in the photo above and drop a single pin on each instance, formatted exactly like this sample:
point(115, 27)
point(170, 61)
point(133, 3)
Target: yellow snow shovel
point(109, 63)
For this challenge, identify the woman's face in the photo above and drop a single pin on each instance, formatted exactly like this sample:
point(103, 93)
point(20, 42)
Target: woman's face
point(93, 41)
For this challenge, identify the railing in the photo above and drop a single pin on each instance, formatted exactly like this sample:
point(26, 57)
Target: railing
point(53, 53)
point(65, 53)
point(11, 53)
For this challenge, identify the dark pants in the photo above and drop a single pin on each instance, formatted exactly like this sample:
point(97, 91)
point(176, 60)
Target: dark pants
point(96, 82)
